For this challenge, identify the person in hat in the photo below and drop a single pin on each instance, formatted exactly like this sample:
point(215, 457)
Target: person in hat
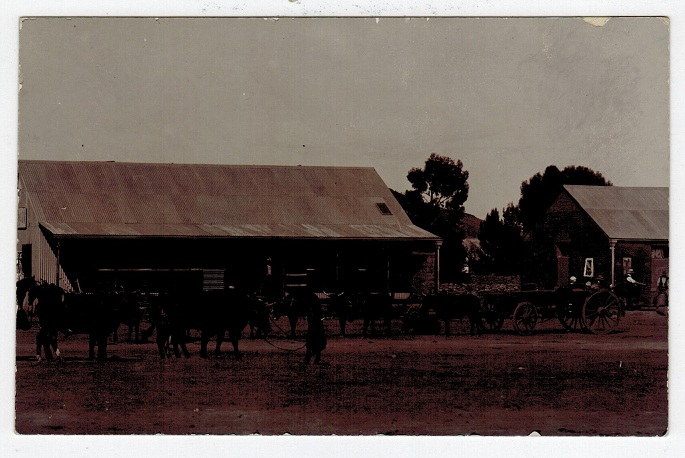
point(632, 289)
point(316, 333)
point(598, 282)
point(662, 283)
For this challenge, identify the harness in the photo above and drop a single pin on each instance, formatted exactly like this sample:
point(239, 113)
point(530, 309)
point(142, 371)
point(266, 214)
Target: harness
point(266, 339)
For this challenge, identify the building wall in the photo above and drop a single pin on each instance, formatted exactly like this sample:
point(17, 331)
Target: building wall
point(326, 265)
point(572, 233)
point(566, 231)
point(43, 258)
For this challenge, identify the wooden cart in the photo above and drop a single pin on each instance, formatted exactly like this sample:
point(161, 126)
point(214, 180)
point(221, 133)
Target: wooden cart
point(577, 309)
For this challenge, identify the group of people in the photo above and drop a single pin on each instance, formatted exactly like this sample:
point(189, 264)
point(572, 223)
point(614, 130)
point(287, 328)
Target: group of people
point(632, 288)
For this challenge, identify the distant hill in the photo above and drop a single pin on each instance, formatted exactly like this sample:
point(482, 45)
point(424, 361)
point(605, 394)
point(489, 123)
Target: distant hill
point(471, 225)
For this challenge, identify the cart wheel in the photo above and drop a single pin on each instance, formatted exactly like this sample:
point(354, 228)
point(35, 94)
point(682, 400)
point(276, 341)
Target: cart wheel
point(490, 318)
point(570, 317)
point(525, 318)
point(601, 312)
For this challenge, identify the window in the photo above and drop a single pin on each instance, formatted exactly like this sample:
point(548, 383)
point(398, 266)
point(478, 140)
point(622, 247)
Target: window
point(21, 218)
point(383, 208)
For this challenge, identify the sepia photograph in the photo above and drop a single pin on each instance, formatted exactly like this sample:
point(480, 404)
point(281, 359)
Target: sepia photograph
point(343, 226)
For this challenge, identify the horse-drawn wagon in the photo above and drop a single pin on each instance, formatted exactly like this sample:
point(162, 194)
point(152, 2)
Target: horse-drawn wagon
point(578, 309)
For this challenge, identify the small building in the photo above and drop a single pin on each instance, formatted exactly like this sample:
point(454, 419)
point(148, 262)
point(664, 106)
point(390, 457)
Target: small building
point(89, 225)
point(607, 230)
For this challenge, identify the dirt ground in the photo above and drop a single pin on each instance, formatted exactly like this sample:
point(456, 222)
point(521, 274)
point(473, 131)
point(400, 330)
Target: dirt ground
point(553, 382)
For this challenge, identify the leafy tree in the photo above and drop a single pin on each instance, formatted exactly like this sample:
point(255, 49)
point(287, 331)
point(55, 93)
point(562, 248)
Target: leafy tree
point(540, 191)
point(436, 204)
point(501, 241)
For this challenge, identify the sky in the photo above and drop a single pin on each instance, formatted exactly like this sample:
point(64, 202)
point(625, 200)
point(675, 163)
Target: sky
point(506, 96)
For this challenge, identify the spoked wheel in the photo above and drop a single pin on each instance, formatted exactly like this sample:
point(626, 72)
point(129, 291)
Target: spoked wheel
point(490, 318)
point(570, 317)
point(601, 312)
point(525, 318)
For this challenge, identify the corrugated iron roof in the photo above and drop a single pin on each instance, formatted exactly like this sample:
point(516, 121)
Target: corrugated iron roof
point(110, 199)
point(625, 213)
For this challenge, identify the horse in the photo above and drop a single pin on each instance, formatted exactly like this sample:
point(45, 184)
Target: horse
point(131, 314)
point(213, 313)
point(446, 307)
point(49, 307)
point(171, 326)
point(369, 307)
point(340, 306)
point(24, 285)
point(293, 306)
point(96, 314)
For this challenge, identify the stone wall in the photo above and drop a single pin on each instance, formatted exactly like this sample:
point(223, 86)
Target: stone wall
point(484, 283)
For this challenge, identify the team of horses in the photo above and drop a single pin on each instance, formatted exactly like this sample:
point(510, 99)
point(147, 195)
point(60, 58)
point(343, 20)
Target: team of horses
point(216, 313)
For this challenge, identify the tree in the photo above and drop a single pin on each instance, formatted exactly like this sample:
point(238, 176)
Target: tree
point(501, 241)
point(442, 183)
point(436, 203)
point(540, 191)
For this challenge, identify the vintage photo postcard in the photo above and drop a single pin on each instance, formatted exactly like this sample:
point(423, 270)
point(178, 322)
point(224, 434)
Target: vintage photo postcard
point(398, 226)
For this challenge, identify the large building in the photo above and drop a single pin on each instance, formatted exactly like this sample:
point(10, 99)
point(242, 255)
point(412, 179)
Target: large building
point(89, 225)
point(607, 230)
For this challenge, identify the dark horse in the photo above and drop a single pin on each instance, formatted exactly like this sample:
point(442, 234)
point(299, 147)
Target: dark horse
point(212, 313)
point(294, 306)
point(369, 307)
point(50, 309)
point(24, 286)
point(97, 314)
point(446, 307)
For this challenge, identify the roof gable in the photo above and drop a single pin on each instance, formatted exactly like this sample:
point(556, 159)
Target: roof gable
point(625, 213)
point(130, 199)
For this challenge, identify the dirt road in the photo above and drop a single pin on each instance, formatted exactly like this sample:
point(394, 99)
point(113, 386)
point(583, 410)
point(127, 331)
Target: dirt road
point(499, 384)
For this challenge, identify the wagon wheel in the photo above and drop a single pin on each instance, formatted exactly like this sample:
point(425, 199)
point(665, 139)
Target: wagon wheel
point(525, 318)
point(570, 317)
point(601, 312)
point(490, 318)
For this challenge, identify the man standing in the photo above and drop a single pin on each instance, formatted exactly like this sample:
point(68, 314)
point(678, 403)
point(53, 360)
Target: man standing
point(632, 289)
point(316, 333)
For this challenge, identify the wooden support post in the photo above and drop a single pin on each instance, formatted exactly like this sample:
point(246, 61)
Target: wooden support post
point(57, 262)
point(612, 247)
point(387, 267)
point(438, 244)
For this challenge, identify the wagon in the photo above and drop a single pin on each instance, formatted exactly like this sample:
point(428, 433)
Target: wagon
point(577, 309)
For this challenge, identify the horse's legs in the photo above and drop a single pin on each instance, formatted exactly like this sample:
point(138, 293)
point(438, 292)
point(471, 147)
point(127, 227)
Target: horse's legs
point(204, 340)
point(343, 323)
point(235, 337)
point(39, 343)
point(43, 343)
point(448, 331)
point(219, 340)
point(162, 335)
point(293, 324)
point(115, 335)
point(53, 344)
point(102, 346)
point(160, 347)
point(91, 345)
point(180, 341)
